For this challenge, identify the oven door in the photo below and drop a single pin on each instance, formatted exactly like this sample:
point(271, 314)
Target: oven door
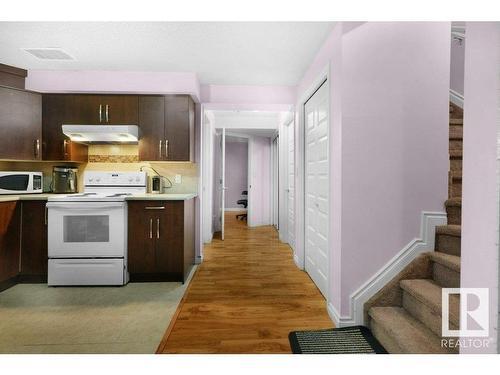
point(87, 229)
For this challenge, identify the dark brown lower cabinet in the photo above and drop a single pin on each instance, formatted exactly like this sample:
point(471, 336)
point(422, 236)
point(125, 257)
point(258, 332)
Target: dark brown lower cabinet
point(160, 240)
point(33, 242)
point(10, 225)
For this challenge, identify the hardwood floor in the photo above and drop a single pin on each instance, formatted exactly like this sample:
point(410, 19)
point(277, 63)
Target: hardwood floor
point(245, 297)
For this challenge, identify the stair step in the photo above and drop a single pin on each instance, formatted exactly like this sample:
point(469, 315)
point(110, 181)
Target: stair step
point(399, 332)
point(453, 202)
point(455, 144)
point(456, 121)
point(449, 230)
point(456, 132)
point(449, 261)
point(448, 239)
point(425, 303)
point(456, 153)
point(454, 210)
point(445, 269)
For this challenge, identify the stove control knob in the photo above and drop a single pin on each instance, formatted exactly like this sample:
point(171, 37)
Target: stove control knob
point(91, 179)
point(130, 179)
point(98, 179)
point(137, 179)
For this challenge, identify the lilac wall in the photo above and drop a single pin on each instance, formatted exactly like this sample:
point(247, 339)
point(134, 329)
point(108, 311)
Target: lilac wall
point(236, 172)
point(259, 199)
point(389, 87)
point(480, 222)
point(457, 66)
point(395, 81)
point(248, 94)
point(113, 81)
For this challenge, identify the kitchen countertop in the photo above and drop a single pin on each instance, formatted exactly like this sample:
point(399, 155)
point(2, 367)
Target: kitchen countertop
point(140, 197)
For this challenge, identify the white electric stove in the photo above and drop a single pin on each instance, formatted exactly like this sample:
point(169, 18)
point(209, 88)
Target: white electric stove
point(87, 232)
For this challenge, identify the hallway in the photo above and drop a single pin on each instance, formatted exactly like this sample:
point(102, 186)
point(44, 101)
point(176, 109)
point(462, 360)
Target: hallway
point(245, 297)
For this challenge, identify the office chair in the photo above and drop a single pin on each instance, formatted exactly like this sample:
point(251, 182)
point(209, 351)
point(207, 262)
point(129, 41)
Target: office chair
point(243, 202)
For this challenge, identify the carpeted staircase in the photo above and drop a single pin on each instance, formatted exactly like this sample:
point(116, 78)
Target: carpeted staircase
point(405, 316)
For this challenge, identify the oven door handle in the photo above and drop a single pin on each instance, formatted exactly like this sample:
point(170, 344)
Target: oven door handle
point(84, 206)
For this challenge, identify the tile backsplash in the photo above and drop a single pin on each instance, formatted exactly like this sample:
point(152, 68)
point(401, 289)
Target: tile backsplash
point(121, 158)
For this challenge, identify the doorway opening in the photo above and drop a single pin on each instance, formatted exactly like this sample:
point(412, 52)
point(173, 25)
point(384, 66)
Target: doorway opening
point(244, 176)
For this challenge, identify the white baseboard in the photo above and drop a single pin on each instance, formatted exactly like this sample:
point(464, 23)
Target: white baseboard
point(296, 260)
point(425, 243)
point(457, 98)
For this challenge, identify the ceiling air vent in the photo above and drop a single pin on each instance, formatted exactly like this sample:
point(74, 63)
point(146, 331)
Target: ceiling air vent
point(49, 53)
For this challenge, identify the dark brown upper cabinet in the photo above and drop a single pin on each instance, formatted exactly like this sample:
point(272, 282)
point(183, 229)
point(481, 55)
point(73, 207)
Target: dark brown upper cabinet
point(56, 109)
point(83, 109)
point(167, 128)
point(20, 124)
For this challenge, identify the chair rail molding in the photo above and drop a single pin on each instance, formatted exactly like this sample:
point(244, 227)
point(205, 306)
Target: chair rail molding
point(417, 246)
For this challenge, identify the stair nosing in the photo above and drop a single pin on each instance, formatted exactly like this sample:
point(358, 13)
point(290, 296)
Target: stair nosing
point(443, 259)
point(449, 230)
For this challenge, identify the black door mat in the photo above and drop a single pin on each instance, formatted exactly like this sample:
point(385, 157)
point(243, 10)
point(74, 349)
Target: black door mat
point(347, 340)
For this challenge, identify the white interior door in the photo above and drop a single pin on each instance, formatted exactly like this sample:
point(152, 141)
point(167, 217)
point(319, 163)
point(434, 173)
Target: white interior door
point(291, 184)
point(316, 188)
point(275, 182)
point(223, 181)
point(259, 182)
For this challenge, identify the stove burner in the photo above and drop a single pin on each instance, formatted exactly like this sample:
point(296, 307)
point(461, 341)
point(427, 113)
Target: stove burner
point(84, 194)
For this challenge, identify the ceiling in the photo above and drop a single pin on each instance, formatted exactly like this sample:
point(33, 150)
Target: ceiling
point(221, 53)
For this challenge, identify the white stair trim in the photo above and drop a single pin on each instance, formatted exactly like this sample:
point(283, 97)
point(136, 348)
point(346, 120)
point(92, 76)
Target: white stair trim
point(457, 98)
point(425, 243)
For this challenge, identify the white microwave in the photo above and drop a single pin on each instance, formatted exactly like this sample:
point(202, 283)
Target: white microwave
point(21, 182)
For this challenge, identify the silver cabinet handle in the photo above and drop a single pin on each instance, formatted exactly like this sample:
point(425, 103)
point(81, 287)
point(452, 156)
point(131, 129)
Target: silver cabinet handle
point(37, 148)
point(159, 148)
point(150, 228)
point(107, 112)
point(166, 148)
point(46, 215)
point(100, 112)
point(65, 148)
point(157, 228)
point(155, 208)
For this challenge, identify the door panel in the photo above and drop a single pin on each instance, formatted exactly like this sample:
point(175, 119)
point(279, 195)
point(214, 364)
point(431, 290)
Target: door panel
point(223, 182)
point(20, 124)
point(317, 188)
point(34, 239)
point(120, 109)
point(169, 238)
point(10, 225)
point(56, 146)
point(291, 185)
point(151, 123)
point(179, 128)
point(141, 250)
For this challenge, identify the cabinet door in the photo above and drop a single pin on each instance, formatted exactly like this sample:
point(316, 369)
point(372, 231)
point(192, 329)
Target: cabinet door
point(20, 124)
point(83, 109)
point(120, 109)
point(170, 238)
point(179, 128)
point(56, 108)
point(34, 239)
point(151, 124)
point(141, 231)
point(10, 229)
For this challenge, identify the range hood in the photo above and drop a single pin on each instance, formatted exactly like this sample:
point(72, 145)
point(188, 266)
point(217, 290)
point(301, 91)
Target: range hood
point(95, 134)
